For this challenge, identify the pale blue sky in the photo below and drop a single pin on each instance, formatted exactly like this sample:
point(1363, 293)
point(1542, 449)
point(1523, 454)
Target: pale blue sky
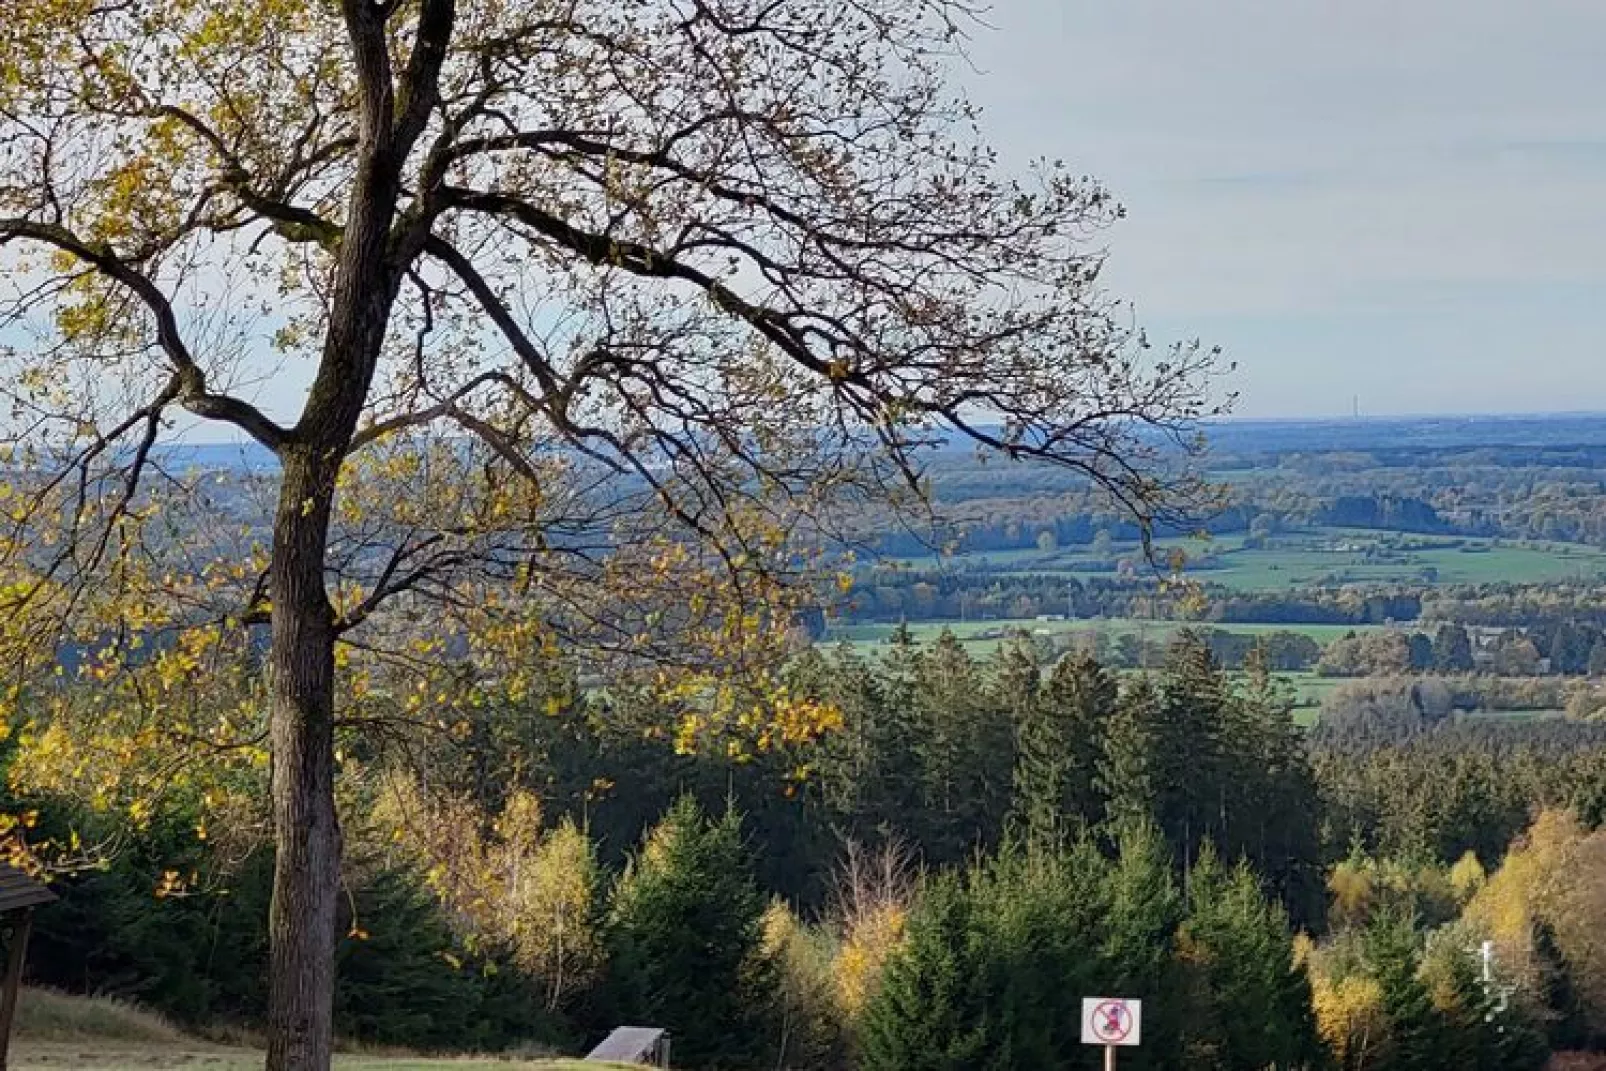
point(1402, 200)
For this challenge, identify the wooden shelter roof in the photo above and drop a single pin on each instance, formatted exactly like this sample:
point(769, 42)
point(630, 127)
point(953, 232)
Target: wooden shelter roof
point(18, 891)
point(628, 1044)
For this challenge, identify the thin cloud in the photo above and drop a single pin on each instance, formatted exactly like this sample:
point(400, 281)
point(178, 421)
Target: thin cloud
point(1396, 200)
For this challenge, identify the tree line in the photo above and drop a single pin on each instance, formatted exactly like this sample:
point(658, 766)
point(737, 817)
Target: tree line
point(911, 886)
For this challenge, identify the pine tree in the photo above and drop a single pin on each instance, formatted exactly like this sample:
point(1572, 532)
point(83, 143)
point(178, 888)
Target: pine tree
point(857, 782)
point(1081, 696)
point(402, 980)
point(1138, 953)
point(992, 972)
point(1198, 786)
point(1059, 742)
point(1041, 762)
point(1128, 779)
point(898, 731)
point(1419, 1036)
point(684, 937)
point(1279, 807)
point(1251, 1003)
point(928, 1011)
point(966, 751)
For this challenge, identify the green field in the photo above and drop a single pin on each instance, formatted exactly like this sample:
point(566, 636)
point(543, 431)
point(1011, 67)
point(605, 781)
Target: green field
point(1320, 557)
point(1476, 562)
point(982, 638)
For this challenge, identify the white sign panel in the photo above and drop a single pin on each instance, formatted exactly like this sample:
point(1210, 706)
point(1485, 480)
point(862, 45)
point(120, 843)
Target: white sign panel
point(1111, 1021)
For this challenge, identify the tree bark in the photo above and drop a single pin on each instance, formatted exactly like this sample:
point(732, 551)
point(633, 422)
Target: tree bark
point(306, 878)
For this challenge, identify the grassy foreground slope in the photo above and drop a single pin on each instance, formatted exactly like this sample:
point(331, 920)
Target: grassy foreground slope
point(56, 1032)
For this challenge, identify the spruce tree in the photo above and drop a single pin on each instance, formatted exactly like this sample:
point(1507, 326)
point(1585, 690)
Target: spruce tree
point(903, 796)
point(928, 1010)
point(1138, 956)
point(1080, 695)
point(1251, 1003)
point(684, 937)
point(851, 768)
point(994, 966)
point(1198, 787)
point(966, 752)
point(401, 975)
point(1127, 778)
point(1041, 762)
point(1279, 807)
point(1419, 1035)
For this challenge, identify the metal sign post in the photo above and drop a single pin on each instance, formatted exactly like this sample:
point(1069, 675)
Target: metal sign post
point(1113, 1022)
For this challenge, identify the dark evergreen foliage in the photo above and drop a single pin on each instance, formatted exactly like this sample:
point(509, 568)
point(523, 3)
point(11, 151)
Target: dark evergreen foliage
point(684, 941)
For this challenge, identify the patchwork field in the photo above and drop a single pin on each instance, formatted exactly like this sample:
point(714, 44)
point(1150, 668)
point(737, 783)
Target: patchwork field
point(1321, 557)
point(982, 639)
point(984, 636)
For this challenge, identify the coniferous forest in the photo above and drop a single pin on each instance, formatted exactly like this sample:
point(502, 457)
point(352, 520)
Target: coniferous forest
point(933, 880)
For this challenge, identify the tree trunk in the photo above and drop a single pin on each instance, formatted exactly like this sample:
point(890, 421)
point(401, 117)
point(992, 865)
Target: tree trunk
point(306, 873)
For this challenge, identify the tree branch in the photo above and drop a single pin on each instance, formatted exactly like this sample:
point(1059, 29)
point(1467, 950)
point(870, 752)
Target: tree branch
point(646, 261)
point(420, 417)
point(420, 86)
point(193, 393)
point(293, 222)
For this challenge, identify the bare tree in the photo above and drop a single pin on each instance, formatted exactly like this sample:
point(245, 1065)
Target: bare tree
point(677, 271)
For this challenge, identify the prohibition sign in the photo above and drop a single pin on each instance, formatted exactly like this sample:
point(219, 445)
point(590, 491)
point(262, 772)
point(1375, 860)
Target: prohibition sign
point(1112, 1022)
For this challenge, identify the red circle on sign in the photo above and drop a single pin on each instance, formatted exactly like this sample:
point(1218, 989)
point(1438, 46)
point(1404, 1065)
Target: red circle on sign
point(1112, 1021)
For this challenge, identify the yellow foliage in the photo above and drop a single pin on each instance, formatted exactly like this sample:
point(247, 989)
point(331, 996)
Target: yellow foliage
point(526, 886)
point(1467, 876)
point(1349, 1016)
point(1508, 903)
point(870, 938)
point(812, 1022)
point(1554, 876)
point(1351, 886)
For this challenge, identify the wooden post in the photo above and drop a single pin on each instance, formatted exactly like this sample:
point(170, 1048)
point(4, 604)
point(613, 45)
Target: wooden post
point(1109, 1058)
point(22, 922)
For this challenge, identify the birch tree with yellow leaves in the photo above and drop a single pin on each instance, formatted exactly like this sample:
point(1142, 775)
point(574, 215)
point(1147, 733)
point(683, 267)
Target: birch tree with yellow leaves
point(599, 307)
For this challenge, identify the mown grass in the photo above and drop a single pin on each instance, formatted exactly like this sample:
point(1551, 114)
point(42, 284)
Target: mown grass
point(56, 1032)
